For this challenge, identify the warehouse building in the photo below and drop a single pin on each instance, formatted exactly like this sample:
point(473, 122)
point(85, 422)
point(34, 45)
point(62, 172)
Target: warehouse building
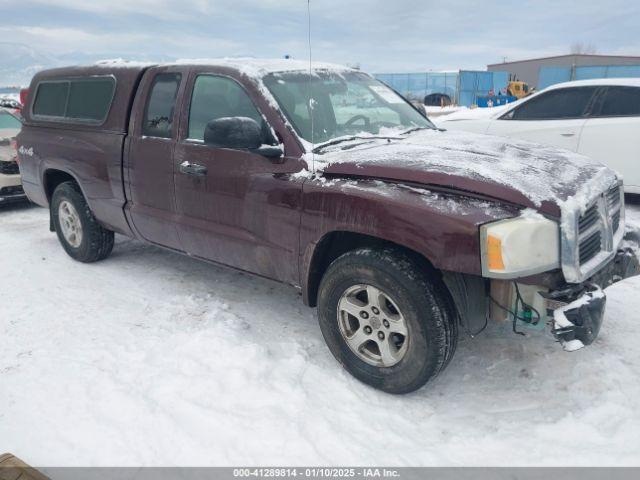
point(542, 72)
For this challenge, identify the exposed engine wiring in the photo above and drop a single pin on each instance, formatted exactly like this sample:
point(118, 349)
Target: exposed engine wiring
point(514, 313)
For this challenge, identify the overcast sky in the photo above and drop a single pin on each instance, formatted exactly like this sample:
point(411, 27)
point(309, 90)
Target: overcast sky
point(380, 35)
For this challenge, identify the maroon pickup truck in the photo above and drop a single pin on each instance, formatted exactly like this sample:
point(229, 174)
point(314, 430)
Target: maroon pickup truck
point(402, 235)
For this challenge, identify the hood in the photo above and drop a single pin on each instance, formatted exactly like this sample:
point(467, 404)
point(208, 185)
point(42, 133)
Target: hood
point(531, 175)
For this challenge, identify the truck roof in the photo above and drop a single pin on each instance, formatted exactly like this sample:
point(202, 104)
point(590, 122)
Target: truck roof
point(253, 67)
point(258, 67)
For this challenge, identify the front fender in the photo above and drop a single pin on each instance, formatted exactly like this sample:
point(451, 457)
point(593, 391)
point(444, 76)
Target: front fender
point(441, 226)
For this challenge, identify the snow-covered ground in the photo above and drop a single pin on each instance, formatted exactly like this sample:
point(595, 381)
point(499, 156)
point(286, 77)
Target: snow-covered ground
point(157, 359)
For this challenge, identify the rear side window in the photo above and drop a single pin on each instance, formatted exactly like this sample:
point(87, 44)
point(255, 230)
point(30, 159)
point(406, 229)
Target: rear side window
point(554, 105)
point(90, 100)
point(159, 112)
point(51, 100)
point(84, 100)
point(620, 102)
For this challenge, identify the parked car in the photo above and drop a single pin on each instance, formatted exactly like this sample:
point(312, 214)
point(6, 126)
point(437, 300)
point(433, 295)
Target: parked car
point(402, 235)
point(598, 118)
point(6, 102)
point(10, 183)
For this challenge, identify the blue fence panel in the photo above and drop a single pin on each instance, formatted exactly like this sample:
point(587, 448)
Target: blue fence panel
point(623, 71)
point(385, 77)
point(462, 87)
point(467, 88)
point(467, 81)
point(417, 85)
point(586, 73)
point(474, 84)
point(500, 82)
point(485, 81)
point(552, 75)
point(442, 82)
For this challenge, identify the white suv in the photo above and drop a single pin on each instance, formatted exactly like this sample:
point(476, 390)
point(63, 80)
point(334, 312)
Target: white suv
point(10, 182)
point(598, 118)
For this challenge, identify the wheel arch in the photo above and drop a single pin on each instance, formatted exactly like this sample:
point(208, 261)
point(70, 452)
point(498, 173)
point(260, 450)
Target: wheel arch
point(335, 243)
point(52, 177)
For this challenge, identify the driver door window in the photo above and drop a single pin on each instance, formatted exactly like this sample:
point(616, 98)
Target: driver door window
point(218, 97)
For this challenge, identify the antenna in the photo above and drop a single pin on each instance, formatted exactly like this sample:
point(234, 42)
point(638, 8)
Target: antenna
point(313, 155)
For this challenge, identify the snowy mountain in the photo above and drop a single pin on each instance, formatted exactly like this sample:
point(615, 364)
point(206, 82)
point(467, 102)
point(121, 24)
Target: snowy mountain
point(18, 63)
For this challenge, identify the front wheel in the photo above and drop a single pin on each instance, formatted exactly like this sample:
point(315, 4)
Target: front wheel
point(390, 323)
point(80, 234)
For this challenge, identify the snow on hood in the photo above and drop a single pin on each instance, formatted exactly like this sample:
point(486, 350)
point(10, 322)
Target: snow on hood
point(536, 176)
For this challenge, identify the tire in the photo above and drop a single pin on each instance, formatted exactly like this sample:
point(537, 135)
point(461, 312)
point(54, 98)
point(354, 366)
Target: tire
point(92, 241)
point(409, 293)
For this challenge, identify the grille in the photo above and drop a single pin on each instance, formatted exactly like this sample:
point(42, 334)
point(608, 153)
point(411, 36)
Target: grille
point(614, 200)
point(9, 168)
point(590, 247)
point(589, 219)
point(599, 231)
point(615, 221)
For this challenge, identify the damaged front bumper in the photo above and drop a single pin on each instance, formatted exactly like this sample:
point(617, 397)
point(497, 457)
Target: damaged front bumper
point(577, 311)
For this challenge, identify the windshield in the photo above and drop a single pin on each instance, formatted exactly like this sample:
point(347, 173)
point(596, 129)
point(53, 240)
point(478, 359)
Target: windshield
point(344, 104)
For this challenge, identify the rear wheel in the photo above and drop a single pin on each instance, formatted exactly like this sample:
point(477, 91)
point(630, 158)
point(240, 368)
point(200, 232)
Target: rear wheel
point(80, 234)
point(390, 323)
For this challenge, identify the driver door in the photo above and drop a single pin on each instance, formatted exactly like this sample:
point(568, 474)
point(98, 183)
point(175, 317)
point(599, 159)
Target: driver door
point(235, 207)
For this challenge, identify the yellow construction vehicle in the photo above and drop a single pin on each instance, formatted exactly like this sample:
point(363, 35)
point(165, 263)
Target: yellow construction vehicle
point(518, 89)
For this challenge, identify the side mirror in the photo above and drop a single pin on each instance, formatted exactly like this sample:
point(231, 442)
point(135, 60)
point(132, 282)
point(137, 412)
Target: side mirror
point(240, 133)
point(233, 132)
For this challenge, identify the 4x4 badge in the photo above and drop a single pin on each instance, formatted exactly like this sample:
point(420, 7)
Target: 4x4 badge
point(27, 152)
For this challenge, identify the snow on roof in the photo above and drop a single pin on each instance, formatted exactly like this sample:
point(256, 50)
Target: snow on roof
point(624, 82)
point(259, 67)
point(253, 67)
point(122, 63)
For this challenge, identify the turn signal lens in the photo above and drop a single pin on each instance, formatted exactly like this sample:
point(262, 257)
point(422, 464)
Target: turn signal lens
point(494, 253)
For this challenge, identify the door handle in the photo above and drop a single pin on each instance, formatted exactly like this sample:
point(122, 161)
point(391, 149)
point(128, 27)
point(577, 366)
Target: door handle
point(189, 168)
point(568, 134)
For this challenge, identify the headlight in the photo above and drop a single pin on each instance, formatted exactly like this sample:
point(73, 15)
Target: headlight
point(520, 246)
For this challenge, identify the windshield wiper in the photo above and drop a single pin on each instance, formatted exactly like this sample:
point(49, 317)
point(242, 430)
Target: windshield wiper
point(331, 143)
point(415, 129)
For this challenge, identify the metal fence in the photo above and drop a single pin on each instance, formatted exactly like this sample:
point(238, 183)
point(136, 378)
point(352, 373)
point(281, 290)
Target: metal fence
point(463, 87)
point(552, 75)
point(473, 84)
point(416, 86)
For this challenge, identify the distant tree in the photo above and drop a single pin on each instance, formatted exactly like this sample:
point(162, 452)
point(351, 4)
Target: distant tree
point(583, 48)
